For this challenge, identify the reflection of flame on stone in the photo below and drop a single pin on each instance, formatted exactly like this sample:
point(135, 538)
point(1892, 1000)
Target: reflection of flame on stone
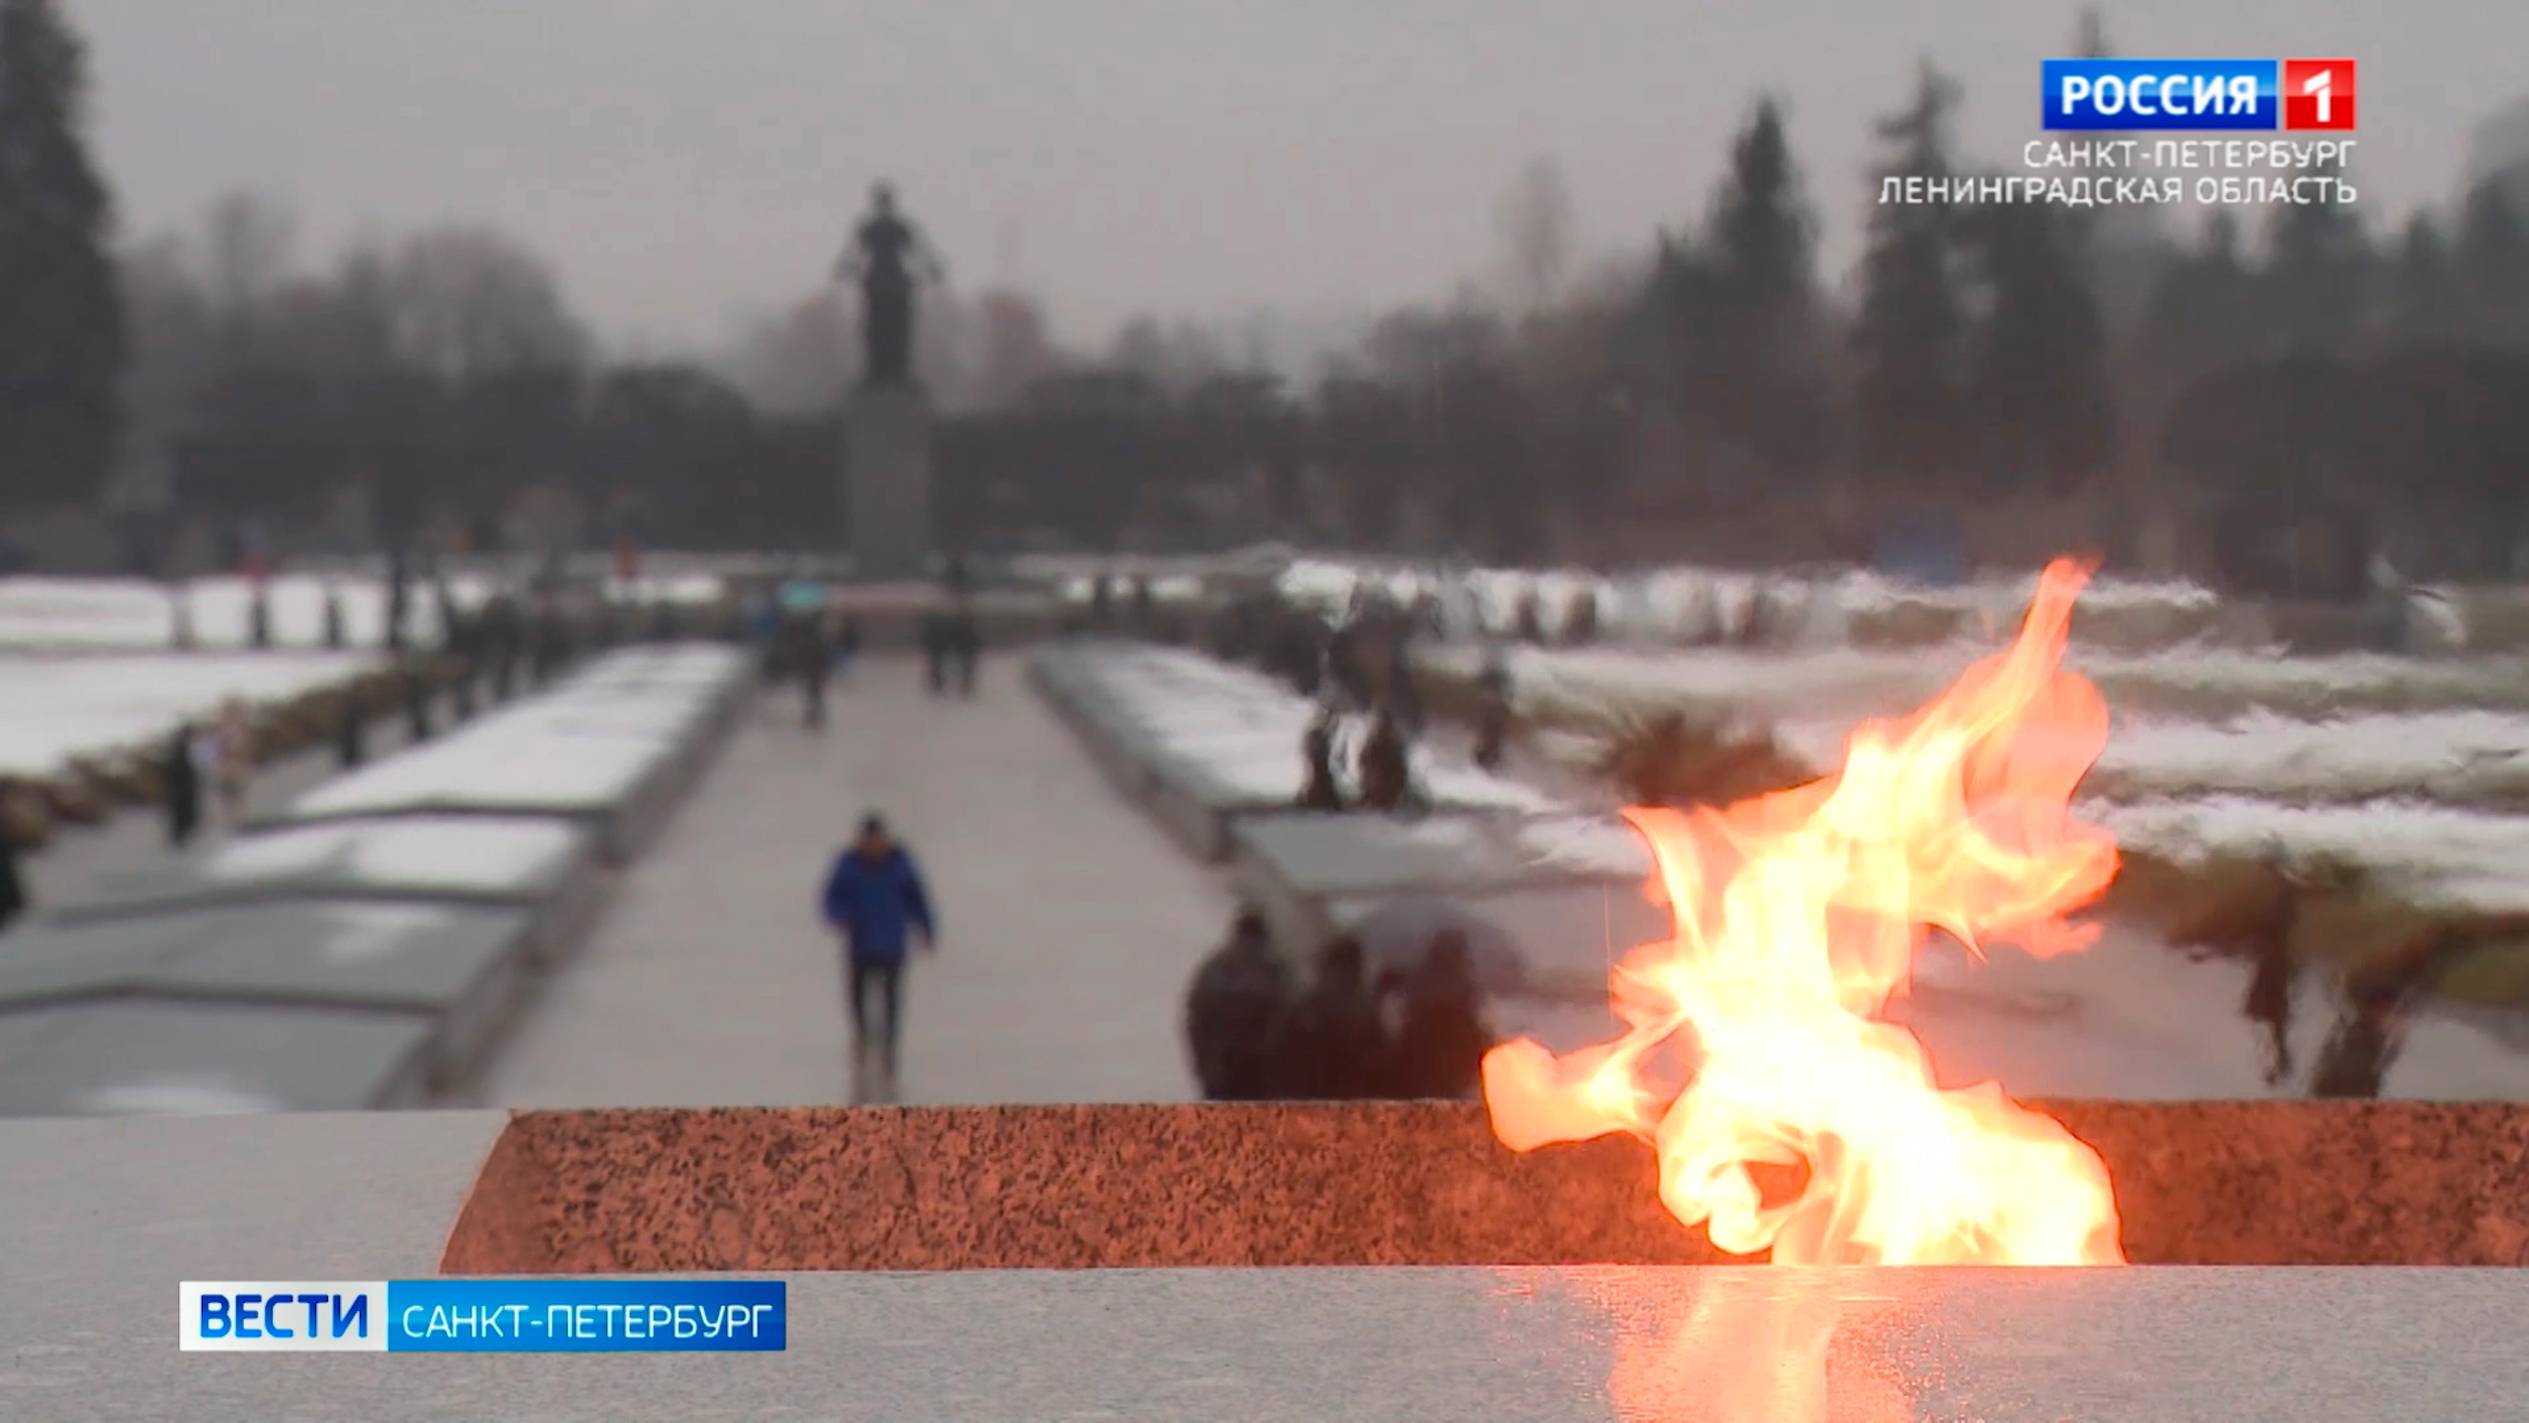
point(1719, 1345)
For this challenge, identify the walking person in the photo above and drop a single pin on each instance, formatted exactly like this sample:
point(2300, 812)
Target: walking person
point(398, 601)
point(814, 656)
point(935, 653)
point(546, 642)
point(451, 618)
point(465, 643)
point(966, 645)
point(500, 632)
point(1331, 1044)
point(1319, 790)
point(763, 614)
point(1381, 767)
point(182, 773)
point(413, 679)
point(875, 899)
point(1441, 1037)
point(1492, 720)
point(13, 900)
point(350, 731)
point(847, 644)
point(1402, 697)
point(1233, 1011)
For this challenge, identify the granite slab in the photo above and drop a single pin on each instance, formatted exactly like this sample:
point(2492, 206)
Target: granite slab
point(1263, 1346)
point(484, 858)
point(1217, 1185)
point(1335, 855)
point(422, 956)
point(147, 1055)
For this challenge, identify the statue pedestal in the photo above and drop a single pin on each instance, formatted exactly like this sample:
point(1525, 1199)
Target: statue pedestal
point(887, 480)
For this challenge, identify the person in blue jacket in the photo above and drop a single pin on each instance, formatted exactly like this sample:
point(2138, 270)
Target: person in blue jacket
point(874, 898)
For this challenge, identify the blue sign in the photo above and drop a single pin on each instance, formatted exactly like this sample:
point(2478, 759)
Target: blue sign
point(487, 1316)
point(2131, 95)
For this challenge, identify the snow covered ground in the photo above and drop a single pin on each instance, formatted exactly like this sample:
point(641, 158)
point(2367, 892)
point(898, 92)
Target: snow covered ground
point(2416, 767)
point(588, 745)
point(2429, 853)
point(2194, 683)
point(1688, 605)
point(54, 707)
point(1236, 733)
point(2464, 757)
point(474, 854)
point(2436, 802)
point(140, 615)
point(131, 613)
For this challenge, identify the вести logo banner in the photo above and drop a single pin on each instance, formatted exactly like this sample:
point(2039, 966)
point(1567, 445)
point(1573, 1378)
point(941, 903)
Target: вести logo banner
point(575, 1315)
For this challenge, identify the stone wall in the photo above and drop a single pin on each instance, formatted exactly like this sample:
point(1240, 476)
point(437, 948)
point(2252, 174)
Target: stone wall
point(1400, 1183)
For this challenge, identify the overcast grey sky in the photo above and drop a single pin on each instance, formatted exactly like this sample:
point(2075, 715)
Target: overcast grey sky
point(683, 161)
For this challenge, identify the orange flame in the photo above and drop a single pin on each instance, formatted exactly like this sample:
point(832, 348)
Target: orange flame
point(1797, 916)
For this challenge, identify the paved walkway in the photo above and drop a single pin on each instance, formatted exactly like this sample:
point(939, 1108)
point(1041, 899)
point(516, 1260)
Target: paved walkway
point(1070, 923)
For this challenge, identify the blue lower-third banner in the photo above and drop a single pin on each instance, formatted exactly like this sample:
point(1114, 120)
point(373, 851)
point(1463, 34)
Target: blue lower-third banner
point(506, 1316)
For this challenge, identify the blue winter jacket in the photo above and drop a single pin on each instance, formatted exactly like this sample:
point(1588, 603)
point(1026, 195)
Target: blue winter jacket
point(875, 903)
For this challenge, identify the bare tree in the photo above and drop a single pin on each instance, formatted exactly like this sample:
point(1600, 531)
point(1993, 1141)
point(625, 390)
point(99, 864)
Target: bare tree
point(249, 244)
point(1175, 356)
point(799, 360)
point(1015, 349)
point(945, 356)
point(172, 351)
point(469, 301)
point(1535, 222)
point(1415, 347)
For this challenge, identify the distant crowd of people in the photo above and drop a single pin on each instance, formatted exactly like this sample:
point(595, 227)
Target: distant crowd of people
point(511, 642)
point(816, 646)
point(952, 646)
point(1115, 601)
point(1382, 765)
point(1256, 1033)
point(1382, 760)
point(800, 636)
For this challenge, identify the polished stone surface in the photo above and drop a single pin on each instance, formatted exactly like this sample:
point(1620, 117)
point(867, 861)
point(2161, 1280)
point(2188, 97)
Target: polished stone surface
point(610, 743)
point(490, 858)
point(1678, 1346)
point(145, 1055)
point(1396, 1184)
point(1333, 855)
point(421, 956)
point(100, 1219)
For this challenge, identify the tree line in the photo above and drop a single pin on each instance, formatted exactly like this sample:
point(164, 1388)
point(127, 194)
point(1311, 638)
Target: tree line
point(1985, 355)
point(438, 383)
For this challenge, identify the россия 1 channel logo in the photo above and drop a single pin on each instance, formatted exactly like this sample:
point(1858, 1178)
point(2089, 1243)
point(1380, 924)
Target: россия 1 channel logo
point(2136, 94)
